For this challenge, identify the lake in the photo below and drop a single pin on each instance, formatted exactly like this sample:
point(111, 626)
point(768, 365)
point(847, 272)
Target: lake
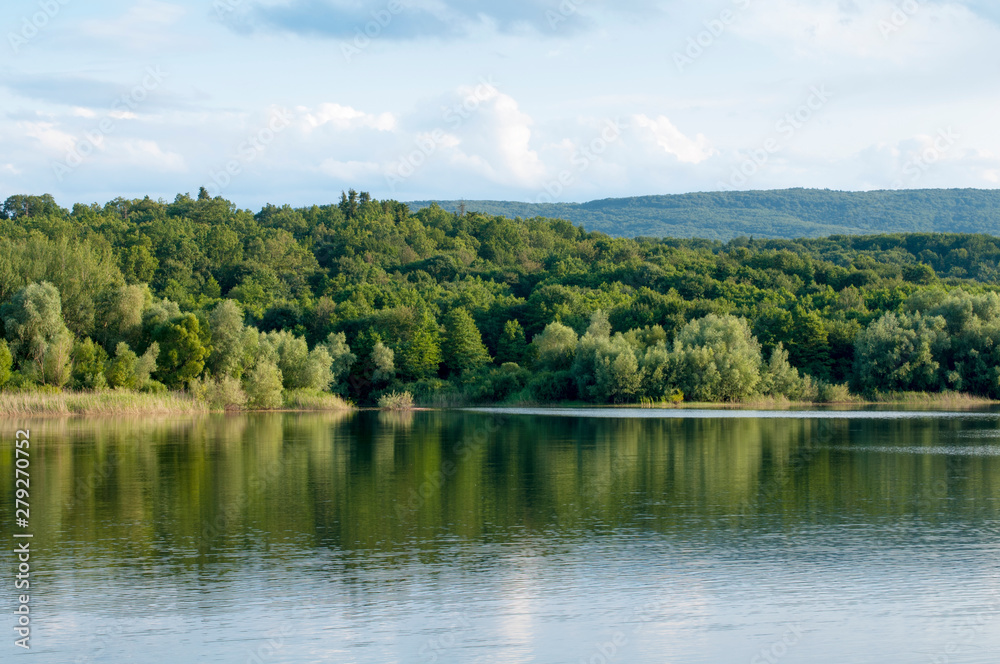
point(493, 536)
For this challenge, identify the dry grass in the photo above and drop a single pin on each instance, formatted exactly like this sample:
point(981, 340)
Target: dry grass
point(396, 401)
point(111, 402)
point(313, 400)
point(940, 399)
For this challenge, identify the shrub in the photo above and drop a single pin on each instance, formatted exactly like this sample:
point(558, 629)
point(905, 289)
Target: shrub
point(497, 384)
point(220, 393)
point(263, 386)
point(834, 393)
point(553, 386)
point(396, 401)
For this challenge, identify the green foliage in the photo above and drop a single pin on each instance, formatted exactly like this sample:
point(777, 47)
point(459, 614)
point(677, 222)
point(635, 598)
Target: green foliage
point(897, 353)
point(228, 340)
point(782, 379)
point(421, 354)
point(764, 214)
point(350, 297)
point(129, 371)
point(555, 347)
point(512, 346)
point(182, 350)
point(553, 386)
point(496, 384)
point(57, 364)
point(33, 321)
point(341, 357)
point(121, 370)
point(383, 360)
point(263, 386)
point(6, 364)
point(118, 314)
point(396, 401)
point(219, 393)
point(718, 359)
point(462, 346)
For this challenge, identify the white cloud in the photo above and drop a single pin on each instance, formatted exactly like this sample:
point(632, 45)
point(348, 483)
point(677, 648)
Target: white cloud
point(143, 26)
point(878, 29)
point(349, 171)
point(495, 140)
point(345, 117)
point(672, 141)
point(52, 140)
point(149, 154)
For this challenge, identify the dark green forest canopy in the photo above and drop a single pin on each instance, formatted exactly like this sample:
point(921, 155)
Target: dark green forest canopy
point(791, 213)
point(402, 288)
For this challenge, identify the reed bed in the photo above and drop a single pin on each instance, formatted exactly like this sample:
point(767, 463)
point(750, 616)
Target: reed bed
point(314, 400)
point(111, 402)
point(940, 399)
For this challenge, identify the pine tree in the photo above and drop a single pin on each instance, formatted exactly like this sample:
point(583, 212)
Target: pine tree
point(513, 346)
point(463, 344)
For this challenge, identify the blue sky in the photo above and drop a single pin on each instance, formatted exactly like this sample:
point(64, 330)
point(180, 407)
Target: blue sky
point(535, 100)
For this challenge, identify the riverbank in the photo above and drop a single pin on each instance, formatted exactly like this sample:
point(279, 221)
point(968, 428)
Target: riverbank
point(121, 402)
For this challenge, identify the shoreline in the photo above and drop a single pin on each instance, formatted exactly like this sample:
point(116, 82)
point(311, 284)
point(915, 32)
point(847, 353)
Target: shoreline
point(111, 403)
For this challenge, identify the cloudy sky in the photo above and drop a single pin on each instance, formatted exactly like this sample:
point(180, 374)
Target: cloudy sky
point(533, 100)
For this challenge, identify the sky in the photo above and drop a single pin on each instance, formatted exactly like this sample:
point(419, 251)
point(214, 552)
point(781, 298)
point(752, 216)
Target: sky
point(294, 101)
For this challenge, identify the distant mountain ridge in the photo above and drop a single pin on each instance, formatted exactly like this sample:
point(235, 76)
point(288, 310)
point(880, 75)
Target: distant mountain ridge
point(786, 213)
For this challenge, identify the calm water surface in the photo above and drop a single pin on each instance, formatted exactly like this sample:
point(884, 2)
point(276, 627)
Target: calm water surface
point(513, 536)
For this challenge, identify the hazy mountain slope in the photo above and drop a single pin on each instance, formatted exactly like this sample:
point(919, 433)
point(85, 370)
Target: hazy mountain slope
point(791, 213)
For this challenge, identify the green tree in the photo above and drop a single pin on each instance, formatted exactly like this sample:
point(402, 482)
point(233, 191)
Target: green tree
point(57, 365)
point(717, 359)
point(228, 340)
point(39, 338)
point(618, 376)
point(263, 386)
point(462, 346)
point(121, 370)
point(182, 351)
point(6, 363)
point(341, 357)
point(319, 369)
point(421, 355)
point(89, 362)
point(512, 346)
point(897, 352)
point(384, 362)
point(555, 347)
point(118, 314)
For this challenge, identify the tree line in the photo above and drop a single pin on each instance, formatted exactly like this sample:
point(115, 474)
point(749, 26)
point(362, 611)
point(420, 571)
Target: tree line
point(364, 298)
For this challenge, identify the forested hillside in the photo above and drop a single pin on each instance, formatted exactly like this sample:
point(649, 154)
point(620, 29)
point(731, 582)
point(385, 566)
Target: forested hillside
point(792, 213)
point(364, 298)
